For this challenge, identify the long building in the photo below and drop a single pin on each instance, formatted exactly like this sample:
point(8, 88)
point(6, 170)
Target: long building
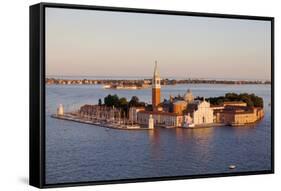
point(238, 115)
point(164, 119)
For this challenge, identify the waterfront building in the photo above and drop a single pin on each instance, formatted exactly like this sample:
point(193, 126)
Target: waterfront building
point(238, 115)
point(200, 112)
point(187, 121)
point(156, 88)
point(133, 113)
point(163, 119)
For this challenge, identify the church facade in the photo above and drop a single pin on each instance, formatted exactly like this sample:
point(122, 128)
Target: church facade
point(200, 112)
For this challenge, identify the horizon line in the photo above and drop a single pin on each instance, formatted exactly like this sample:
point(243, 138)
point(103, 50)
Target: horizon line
point(163, 77)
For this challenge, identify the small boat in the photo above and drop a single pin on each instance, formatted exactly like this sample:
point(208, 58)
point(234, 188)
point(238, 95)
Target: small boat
point(188, 125)
point(132, 126)
point(232, 166)
point(191, 125)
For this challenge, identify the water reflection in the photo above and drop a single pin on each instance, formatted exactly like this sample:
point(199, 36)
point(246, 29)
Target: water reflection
point(152, 135)
point(154, 142)
point(199, 133)
point(197, 140)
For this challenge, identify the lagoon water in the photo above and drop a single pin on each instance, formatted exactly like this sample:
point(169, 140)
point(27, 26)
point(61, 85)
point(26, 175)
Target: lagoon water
point(80, 152)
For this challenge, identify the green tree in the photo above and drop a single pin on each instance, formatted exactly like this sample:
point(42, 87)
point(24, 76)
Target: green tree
point(251, 99)
point(232, 96)
point(134, 102)
point(123, 102)
point(100, 102)
point(111, 100)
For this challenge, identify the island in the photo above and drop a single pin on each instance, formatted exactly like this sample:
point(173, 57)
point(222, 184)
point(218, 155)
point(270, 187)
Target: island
point(181, 111)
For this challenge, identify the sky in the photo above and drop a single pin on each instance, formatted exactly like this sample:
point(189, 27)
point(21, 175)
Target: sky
point(106, 43)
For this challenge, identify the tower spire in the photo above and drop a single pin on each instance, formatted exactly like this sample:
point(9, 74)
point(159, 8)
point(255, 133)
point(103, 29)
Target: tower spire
point(156, 73)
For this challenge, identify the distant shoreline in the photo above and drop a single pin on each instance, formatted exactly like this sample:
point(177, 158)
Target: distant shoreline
point(140, 83)
point(97, 77)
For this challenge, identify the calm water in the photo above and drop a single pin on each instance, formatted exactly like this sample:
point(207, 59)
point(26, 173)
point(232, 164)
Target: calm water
point(80, 152)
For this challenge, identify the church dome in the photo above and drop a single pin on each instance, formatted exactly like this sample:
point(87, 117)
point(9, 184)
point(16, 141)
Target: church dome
point(188, 97)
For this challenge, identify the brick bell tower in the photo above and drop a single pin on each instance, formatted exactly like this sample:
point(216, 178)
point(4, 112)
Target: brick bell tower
point(156, 88)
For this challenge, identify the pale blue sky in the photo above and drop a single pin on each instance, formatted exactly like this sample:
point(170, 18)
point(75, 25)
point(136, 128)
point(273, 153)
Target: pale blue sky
point(103, 43)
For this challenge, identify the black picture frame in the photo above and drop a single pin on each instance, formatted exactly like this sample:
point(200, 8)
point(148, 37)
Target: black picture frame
point(37, 93)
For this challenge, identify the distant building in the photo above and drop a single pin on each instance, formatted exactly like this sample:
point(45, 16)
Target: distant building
point(234, 103)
